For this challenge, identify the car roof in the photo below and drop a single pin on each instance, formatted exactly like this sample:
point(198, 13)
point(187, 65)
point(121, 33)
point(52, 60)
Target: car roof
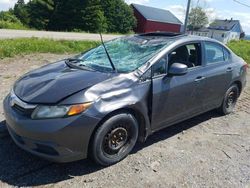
point(175, 36)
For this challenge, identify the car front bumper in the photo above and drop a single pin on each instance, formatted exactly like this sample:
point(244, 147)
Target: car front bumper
point(58, 140)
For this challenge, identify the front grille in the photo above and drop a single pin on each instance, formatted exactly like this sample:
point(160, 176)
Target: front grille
point(23, 111)
point(20, 106)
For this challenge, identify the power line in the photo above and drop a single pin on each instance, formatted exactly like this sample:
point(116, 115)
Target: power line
point(241, 3)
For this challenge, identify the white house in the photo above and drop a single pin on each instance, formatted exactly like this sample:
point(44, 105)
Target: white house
point(222, 30)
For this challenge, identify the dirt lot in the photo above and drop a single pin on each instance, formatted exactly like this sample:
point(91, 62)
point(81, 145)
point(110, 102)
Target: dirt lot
point(206, 151)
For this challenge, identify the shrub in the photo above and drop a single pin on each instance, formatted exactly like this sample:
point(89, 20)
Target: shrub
point(241, 48)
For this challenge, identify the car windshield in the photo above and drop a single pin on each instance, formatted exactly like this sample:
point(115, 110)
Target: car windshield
point(127, 54)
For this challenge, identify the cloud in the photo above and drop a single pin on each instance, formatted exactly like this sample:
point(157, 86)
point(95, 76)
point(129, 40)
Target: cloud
point(7, 1)
point(6, 4)
point(211, 13)
point(180, 12)
point(136, 1)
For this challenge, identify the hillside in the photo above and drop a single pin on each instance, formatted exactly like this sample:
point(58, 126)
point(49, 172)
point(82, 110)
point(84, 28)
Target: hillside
point(241, 48)
point(247, 37)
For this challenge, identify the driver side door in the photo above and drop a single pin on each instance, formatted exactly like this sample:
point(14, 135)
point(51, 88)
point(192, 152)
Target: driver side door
point(175, 98)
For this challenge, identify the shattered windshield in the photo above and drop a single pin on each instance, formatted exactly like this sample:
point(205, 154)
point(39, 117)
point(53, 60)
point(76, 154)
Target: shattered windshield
point(127, 54)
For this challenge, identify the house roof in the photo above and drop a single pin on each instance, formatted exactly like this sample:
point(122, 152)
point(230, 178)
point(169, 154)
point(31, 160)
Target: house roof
point(156, 14)
point(204, 29)
point(225, 25)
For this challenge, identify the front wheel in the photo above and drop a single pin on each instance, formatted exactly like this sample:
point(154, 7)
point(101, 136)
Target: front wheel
point(115, 139)
point(229, 100)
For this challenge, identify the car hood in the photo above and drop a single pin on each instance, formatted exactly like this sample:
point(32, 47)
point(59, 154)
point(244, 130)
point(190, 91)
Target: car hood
point(54, 82)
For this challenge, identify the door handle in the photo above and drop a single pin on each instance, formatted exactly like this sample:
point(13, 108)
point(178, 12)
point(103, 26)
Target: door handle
point(199, 78)
point(229, 69)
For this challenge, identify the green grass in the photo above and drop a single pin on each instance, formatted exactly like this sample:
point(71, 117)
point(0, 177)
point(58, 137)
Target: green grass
point(22, 46)
point(241, 48)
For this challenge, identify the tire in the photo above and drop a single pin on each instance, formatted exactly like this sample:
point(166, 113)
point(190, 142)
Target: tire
point(229, 101)
point(114, 139)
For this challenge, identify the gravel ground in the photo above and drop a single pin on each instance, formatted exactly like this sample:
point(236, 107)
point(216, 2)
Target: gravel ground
point(206, 151)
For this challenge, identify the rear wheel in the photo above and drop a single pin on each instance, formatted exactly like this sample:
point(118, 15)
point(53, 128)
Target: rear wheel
point(114, 139)
point(229, 100)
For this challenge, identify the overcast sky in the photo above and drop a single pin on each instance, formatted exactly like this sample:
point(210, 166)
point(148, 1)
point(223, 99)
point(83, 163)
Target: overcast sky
point(222, 9)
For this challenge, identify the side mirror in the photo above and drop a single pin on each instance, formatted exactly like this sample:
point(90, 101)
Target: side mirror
point(178, 69)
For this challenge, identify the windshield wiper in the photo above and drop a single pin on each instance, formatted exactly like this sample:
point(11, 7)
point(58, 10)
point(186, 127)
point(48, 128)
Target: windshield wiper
point(70, 63)
point(73, 60)
point(110, 60)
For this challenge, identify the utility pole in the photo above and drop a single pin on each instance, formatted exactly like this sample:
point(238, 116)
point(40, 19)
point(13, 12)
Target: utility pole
point(187, 14)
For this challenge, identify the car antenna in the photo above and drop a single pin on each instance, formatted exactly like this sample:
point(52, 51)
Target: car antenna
point(110, 60)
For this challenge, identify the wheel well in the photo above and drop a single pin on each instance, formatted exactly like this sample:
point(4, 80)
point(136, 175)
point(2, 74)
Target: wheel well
point(138, 116)
point(238, 83)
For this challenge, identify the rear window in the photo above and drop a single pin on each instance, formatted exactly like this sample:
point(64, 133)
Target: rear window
point(214, 53)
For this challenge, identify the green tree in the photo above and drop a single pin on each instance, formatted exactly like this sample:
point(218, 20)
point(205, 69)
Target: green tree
point(9, 21)
point(67, 15)
point(20, 11)
point(119, 15)
point(70, 15)
point(40, 12)
point(197, 18)
point(242, 35)
point(20, 2)
point(93, 17)
point(8, 17)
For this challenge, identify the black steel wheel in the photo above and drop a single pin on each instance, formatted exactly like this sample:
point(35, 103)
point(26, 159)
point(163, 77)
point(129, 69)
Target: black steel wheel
point(115, 139)
point(229, 100)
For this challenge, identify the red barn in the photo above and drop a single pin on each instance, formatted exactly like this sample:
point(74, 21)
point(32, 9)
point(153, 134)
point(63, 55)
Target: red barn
point(151, 19)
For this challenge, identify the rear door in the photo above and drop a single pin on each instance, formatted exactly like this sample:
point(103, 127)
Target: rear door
point(218, 74)
point(177, 97)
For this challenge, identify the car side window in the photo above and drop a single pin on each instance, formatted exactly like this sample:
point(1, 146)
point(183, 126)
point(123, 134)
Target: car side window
point(160, 67)
point(189, 54)
point(214, 53)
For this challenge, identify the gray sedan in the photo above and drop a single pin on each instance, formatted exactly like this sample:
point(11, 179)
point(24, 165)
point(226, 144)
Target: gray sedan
point(101, 102)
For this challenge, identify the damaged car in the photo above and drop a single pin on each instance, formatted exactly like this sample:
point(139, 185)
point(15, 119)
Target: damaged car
point(101, 102)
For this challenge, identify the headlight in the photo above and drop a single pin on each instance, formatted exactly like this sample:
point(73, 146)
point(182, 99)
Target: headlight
point(48, 112)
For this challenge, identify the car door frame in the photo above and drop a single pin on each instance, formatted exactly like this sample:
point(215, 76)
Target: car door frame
point(202, 66)
point(209, 105)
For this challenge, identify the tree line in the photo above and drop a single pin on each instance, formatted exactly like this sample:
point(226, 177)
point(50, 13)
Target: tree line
point(112, 16)
point(108, 16)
